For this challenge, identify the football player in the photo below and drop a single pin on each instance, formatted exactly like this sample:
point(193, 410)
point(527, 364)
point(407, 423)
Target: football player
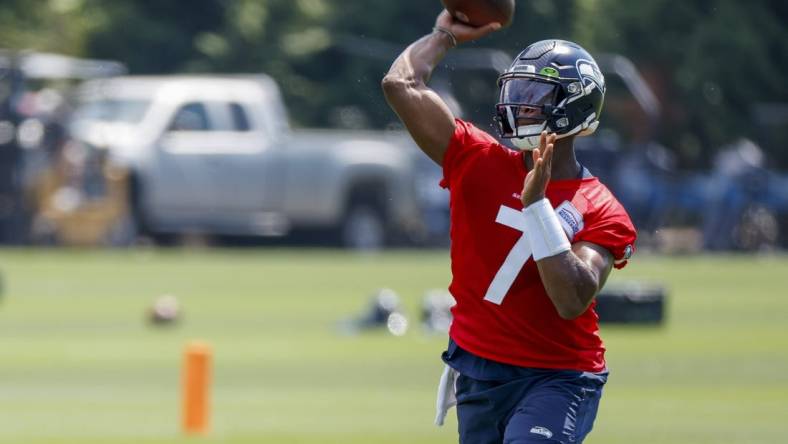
point(534, 236)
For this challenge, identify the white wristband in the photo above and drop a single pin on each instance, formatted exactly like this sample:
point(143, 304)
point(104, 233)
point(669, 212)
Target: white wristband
point(543, 230)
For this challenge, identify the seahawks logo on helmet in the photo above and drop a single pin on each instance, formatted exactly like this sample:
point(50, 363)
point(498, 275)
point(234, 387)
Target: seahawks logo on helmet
point(589, 72)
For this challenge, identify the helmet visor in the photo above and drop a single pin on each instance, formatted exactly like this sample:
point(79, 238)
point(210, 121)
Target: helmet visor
point(526, 91)
point(521, 110)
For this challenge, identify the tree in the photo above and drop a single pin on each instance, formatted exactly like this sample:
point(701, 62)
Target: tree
point(710, 61)
point(713, 63)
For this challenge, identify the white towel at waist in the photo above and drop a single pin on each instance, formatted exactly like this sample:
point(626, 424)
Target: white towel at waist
point(446, 394)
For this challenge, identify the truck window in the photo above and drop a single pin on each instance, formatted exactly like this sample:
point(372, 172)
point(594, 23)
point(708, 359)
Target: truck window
point(240, 120)
point(112, 110)
point(191, 117)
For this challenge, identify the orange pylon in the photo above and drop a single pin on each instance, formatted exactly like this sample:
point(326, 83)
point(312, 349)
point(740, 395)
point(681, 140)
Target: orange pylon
point(196, 382)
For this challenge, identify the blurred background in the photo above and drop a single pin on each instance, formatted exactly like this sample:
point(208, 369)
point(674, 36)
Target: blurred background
point(229, 170)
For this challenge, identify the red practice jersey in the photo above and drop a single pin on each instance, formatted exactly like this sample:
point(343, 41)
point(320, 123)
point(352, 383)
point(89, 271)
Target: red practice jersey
point(503, 312)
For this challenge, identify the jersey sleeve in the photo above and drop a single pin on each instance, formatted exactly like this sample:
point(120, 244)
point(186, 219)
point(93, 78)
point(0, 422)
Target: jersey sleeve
point(466, 142)
point(612, 229)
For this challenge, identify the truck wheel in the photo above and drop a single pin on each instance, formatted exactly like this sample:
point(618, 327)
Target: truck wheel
point(364, 229)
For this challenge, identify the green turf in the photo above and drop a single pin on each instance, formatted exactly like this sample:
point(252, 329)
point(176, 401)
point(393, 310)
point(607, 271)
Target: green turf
point(78, 364)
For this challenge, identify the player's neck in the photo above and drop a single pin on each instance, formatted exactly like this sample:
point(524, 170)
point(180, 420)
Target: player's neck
point(565, 164)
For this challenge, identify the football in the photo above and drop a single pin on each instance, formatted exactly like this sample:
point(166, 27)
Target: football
point(165, 310)
point(481, 12)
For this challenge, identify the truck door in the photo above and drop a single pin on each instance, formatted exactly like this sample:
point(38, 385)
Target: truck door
point(182, 185)
point(249, 173)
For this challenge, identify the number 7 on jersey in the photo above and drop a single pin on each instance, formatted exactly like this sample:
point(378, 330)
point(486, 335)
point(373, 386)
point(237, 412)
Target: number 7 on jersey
point(515, 260)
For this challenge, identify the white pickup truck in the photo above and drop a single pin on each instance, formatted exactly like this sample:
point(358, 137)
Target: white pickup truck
point(216, 155)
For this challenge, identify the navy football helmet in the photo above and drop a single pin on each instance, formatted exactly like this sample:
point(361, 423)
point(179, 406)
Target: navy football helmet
point(553, 85)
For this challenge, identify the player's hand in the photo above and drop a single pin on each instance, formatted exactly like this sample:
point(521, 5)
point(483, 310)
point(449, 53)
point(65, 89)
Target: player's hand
point(462, 31)
point(537, 179)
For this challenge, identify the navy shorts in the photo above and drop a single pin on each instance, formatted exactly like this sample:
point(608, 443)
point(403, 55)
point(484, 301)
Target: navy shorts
point(540, 407)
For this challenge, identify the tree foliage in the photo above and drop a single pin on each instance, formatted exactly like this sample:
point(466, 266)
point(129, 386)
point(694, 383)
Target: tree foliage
point(711, 62)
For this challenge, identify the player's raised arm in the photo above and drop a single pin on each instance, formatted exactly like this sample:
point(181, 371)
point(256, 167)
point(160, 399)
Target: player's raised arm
point(422, 111)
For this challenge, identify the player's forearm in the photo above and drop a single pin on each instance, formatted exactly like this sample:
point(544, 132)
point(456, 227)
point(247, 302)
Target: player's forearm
point(428, 119)
point(570, 283)
point(413, 68)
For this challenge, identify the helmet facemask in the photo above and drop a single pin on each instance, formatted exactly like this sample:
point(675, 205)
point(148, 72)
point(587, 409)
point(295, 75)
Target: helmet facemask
point(528, 106)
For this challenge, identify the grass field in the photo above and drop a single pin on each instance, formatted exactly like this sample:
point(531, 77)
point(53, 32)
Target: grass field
point(78, 364)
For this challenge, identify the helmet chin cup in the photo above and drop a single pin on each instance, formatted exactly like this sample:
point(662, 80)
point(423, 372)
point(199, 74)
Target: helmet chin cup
point(530, 138)
point(529, 143)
